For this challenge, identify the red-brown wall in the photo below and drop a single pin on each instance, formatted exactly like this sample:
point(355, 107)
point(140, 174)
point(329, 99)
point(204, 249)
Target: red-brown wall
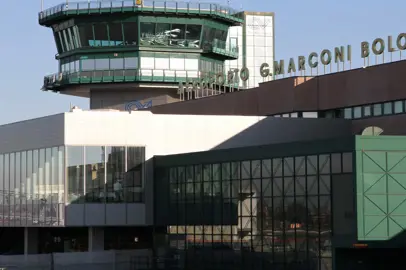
point(355, 87)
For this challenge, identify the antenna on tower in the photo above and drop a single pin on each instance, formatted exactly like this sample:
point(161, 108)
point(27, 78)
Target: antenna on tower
point(42, 5)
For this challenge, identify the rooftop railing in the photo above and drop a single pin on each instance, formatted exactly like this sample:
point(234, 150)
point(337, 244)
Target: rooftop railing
point(148, 5)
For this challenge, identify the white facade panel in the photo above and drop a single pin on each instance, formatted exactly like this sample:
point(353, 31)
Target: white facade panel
point(256, 46)
point(161, 134)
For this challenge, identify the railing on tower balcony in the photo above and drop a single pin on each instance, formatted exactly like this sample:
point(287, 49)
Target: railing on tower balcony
point(92, 7)
point(119, 75)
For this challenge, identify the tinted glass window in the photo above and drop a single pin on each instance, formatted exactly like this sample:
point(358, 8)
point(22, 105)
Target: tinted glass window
point(58, 43)
point(367, 111)
point(377, 109)
point(102, 64)
point(86, 35)
point(100, 35)
point(117, 63)
point(348, 113)
point(357, 112)
point(178, 32)
point(387, 108)
point(130, 33)
point(147, 34)
point(193, 33)
point(398, 106)
point(87, 64)
point(130, 62)
point(116, 34)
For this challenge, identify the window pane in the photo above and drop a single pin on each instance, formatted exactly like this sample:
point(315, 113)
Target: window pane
point(162, 34)
point(398, 106)
point(130, 62)
point(86, 35)
point(220, 35)
point(133, 185)
point(367, 111)
point(88, 64)
point(100, 35)
point(102, 64)
point(95, 175)
point(193, 32)
point(58, 43)
point(116, 63)
point(71, 38)
point(348, 113)
point(177, 35)
point(66, 41)
point(208, 35)
point(387, 108)
point(60, 40)
point(130, 33)
point(115, 164)
point(148, 34)
point(377, 109)
point(75, 171)
point(116, 34)
point(357, 112)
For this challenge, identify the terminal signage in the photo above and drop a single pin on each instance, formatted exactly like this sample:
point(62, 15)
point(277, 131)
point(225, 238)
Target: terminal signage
point(326, 57)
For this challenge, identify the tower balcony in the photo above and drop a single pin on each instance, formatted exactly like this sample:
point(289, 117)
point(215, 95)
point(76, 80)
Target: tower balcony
point(58, 81)
point(223, 48)
point(86, 8)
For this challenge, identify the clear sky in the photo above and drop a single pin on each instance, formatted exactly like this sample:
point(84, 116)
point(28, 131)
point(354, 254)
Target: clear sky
point(301, 27)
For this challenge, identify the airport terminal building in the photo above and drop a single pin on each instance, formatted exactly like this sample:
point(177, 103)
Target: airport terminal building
point(299, 173)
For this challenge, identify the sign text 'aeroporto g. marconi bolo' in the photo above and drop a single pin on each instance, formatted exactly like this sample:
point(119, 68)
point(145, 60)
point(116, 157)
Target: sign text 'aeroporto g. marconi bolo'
point(326, 57)
point(341, 54)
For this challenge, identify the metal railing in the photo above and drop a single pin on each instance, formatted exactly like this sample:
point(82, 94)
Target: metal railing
point(158, 6)
point(123, 75)
point(119, 75)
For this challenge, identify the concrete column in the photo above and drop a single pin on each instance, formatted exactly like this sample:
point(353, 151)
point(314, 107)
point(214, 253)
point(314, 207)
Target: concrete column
point(30, 241)
point(96, 239)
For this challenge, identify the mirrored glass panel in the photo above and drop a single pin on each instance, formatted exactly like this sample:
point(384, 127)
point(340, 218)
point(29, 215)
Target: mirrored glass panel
point(75, 174)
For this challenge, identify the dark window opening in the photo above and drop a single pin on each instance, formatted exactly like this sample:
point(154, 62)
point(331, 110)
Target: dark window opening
point(101, 37)
point(130, 33)
point(86, 35)
point(116, 34)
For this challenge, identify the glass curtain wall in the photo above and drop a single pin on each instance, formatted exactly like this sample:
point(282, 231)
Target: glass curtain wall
point(255, 214)
point(105, 174)
point(32, 185)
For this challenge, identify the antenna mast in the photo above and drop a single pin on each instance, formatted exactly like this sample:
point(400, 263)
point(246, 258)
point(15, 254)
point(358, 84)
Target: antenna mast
point(42, 5)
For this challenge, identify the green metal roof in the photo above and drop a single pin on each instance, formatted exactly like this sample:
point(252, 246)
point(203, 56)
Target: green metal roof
point(214, 10)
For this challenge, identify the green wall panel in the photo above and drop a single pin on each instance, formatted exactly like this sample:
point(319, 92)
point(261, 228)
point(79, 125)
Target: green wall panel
point(381, 186)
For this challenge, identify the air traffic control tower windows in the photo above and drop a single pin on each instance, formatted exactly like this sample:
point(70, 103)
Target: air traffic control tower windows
point(170, 35)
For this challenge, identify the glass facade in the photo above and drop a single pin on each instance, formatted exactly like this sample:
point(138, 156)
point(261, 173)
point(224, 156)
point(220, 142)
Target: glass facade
point(32, 184)
point(105, 174)
point(132, 33)
point(170, 34)
point(255, 214)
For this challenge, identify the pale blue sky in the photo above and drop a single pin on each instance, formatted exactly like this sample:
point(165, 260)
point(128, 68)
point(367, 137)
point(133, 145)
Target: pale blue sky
point(301, 27)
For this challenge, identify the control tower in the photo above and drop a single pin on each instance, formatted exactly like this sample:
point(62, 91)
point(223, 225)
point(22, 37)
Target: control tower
point(136, 52)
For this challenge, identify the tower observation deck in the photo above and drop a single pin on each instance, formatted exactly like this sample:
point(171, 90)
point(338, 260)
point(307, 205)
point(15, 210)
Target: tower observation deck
point(114, 52)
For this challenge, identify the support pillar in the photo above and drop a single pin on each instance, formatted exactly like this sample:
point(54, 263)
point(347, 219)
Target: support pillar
point(96, 239)
point(30, 241)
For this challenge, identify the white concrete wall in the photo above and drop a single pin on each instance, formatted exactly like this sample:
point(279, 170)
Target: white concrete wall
point(160, 134)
